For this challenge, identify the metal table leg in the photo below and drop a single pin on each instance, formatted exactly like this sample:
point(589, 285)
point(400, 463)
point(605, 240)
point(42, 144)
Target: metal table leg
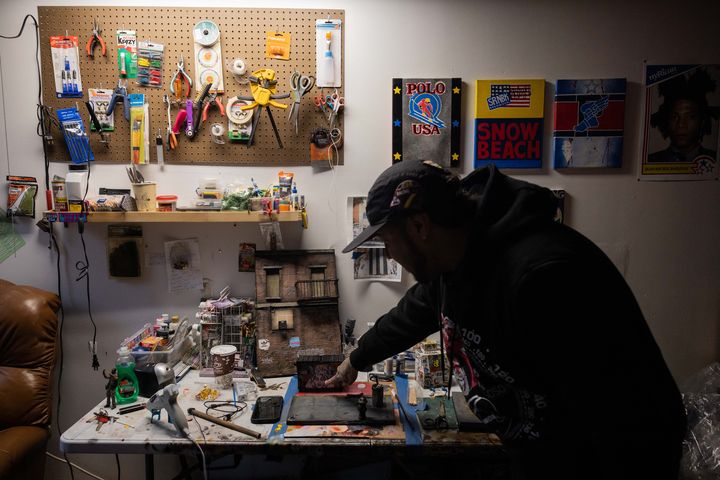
point(149, 467)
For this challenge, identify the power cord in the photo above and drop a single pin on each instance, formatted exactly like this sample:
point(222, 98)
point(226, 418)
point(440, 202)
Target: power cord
point(60, 340)
point(41, 110)
point(84, 272)
point(227, 409)
point(202, 454)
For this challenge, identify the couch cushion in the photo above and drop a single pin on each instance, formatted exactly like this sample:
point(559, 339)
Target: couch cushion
point(18, 444)
point(28, 325)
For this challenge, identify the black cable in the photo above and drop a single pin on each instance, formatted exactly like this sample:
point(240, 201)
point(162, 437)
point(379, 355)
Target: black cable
point(72, 474)
point(60, 342)
point(84, 269)
point(117, 460)
point(227, 409)
point(42, 110)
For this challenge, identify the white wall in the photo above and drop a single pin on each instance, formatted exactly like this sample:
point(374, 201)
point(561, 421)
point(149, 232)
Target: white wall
point(666, 235)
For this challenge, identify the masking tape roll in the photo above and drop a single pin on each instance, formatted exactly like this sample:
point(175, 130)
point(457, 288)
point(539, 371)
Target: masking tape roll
point(238, 66)
point(217, 130)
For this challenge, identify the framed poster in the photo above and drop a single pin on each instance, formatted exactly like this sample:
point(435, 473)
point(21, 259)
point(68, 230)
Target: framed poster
point(682, 105)
point(588, 123)
point(509, 123)
point(426, 120)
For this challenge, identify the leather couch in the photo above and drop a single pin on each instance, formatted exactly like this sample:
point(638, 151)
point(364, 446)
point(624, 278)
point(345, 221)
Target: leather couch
point(28, 327)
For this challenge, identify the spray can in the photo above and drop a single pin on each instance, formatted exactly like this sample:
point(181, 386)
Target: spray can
point(127, 387)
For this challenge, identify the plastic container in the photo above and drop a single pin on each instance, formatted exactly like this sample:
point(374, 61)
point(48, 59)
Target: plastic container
point(166, 203)
point(127, 387)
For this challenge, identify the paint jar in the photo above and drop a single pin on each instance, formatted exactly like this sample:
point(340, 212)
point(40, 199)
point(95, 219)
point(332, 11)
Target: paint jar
point(166, 203)
point(222, 359)
point(145, 194)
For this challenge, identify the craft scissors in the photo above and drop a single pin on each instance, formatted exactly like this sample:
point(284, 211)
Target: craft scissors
point(181, 82)
point(336, 103)
point(300, 85)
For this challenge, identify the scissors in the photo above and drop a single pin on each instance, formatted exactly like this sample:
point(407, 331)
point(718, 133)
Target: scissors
point(336, 103)
point(300, 84)
point(181, 82)
point(320, 102)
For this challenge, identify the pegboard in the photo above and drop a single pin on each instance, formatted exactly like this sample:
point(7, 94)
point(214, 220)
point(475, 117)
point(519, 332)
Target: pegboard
point(242, 34)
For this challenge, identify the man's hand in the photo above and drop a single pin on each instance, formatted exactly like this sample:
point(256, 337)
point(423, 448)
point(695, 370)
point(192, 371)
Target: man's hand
point(345, 375)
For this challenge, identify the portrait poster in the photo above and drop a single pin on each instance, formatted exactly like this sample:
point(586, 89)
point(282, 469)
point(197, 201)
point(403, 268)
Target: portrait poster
point(682, 106)
point(509, 123)
point(426, 120)
point(369, 261)
point(588, 123)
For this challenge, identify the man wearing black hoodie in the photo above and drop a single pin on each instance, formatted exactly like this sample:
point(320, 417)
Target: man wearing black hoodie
point(544, 336)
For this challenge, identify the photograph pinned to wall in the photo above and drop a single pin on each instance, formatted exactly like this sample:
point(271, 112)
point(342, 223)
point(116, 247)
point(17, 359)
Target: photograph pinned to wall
point(682, 108)
point(588, 123)
point(10, 240)
point(426, 120)
point(360, 221)
point(509, 123)
point(272, 236)
point(369, 262)
point(373, 264)
point(246, 257)
point(182, 265)
point(125, 247)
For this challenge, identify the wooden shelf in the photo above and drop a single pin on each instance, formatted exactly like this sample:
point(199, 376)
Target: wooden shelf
point(180, 217)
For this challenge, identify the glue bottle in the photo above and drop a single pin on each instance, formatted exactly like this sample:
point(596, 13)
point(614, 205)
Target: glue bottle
point(127, 387)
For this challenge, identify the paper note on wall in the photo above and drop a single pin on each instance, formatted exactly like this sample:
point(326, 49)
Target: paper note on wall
point(182, 264)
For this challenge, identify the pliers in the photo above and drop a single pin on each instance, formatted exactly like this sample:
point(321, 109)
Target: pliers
point(96, 40)
point(181, 82)
point(212, 99)
point(171, 139)
point(120, 93)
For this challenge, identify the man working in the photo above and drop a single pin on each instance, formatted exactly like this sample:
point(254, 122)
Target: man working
point(544, 336)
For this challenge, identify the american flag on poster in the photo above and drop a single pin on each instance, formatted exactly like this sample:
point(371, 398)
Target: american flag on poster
point(514, 96)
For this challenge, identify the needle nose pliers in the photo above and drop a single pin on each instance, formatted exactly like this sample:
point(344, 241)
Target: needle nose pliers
point(96, 40)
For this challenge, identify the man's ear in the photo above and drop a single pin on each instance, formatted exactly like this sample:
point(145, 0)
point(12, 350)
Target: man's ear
point(419, 226)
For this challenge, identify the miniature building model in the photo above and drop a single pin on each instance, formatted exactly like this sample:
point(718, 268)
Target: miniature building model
point(297, 308)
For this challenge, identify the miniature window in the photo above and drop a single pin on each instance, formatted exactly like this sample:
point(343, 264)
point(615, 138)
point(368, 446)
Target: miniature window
point(282, 319)
point(272, 283)
point(317, 274)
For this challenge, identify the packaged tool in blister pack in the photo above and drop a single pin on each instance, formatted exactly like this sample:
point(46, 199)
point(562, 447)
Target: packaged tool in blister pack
point(139, 129)
point(75, 135)
point(100, 101)
point(328, 52)
point(277, 45)
point(127, 53)
point(66, 66)
point(150, 64)
point(208, 56)
point(21, 196)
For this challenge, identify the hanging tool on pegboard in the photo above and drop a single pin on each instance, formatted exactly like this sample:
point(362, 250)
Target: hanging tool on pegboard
point(263, 86)
point(95, 41)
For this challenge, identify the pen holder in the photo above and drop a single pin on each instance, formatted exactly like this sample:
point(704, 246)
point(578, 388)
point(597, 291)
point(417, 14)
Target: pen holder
point(145, 194)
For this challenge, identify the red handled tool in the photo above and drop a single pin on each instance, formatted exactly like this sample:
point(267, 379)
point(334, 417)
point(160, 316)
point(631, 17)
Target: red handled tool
point(96, 40)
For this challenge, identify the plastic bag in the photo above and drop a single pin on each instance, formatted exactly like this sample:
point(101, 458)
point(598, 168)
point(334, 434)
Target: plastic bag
point(701, 447)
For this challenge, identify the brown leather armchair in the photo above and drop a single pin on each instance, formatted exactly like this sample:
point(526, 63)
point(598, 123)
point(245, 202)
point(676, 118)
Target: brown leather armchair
point(28, 327)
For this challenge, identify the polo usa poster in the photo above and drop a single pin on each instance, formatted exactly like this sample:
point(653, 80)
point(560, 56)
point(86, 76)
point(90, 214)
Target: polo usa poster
point(426, 120)
point(509, 123)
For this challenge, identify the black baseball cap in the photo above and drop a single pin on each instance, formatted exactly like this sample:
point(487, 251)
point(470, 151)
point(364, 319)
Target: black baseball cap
point(404, 187)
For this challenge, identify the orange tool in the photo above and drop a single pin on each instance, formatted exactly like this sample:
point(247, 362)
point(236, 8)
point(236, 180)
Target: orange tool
point(96, 40)
point(181, 82)
point(213, 100)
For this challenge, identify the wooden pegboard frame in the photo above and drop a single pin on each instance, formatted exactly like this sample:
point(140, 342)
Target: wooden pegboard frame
point(242, 34)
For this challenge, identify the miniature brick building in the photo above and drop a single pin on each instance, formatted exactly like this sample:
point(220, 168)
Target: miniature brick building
point(297, 308)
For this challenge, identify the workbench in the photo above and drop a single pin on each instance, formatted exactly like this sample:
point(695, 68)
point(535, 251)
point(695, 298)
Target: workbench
point(137, 435)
